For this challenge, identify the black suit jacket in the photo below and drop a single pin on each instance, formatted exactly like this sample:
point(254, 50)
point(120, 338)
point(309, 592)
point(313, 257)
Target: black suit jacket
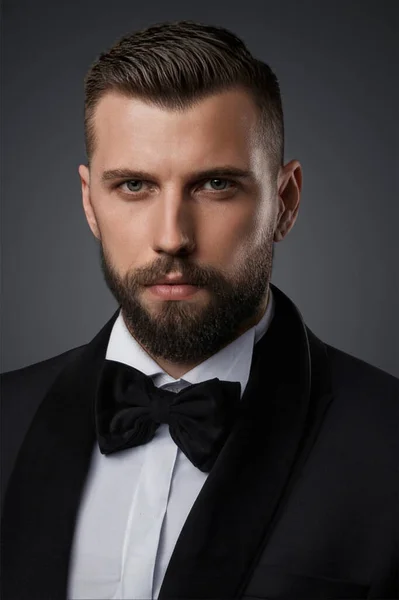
point(302, 501)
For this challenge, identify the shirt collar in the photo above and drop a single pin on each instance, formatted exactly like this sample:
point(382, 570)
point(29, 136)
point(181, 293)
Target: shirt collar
point(231, 363)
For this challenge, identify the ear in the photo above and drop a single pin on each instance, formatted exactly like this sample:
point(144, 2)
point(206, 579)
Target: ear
point(289, 195)
point(87, 206)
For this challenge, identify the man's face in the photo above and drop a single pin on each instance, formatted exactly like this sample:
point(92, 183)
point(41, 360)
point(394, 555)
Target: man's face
point(216, 230)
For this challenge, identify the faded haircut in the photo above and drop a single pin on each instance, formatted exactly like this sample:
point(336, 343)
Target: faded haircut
point(174, 65)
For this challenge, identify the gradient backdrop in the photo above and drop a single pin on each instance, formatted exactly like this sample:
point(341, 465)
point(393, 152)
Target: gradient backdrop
point(337, 63)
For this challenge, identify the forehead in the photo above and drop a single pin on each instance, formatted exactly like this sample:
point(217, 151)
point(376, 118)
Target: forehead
point(221, 127)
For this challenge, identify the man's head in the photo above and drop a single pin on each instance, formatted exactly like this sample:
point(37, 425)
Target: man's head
point(184, 137)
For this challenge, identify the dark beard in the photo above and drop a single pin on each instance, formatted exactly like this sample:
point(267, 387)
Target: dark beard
point(185, 332)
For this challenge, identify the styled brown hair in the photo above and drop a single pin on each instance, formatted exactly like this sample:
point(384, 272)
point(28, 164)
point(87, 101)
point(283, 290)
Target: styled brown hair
point(174, 65)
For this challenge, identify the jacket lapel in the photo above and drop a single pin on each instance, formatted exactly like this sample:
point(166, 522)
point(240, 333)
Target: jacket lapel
point(233, 515)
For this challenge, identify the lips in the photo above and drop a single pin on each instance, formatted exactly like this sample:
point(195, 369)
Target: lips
point(172, 280)
point(177, 282)
point(175, 291)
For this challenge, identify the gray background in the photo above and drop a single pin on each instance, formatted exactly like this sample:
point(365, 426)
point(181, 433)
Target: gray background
point(336, 62)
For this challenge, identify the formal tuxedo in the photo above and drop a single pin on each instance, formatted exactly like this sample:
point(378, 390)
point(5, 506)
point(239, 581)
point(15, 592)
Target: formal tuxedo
point(135, 503)
point(302, 501)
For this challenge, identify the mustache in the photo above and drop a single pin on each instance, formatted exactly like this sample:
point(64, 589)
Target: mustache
point(202, 275)
point(192, 273)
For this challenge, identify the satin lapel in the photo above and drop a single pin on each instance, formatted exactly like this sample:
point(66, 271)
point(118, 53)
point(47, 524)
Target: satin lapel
point(234, 514)
point(44, 491)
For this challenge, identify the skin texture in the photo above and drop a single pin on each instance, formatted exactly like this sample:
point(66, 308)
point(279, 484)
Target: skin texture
point(218, 231)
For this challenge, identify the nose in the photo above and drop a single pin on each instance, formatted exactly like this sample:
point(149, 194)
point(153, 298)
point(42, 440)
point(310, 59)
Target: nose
point(174, 226)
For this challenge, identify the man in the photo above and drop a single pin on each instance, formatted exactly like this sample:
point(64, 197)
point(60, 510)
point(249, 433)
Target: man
point(205, 444)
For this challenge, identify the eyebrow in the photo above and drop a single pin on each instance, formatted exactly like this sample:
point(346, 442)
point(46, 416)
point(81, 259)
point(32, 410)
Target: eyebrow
point(224, 171)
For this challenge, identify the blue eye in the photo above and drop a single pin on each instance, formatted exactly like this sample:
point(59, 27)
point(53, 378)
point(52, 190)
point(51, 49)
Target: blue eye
point(134, 181)
point(217, 179)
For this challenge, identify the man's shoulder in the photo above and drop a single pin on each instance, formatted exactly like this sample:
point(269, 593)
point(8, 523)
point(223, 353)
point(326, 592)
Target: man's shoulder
point(363, 410)
point(23, 389)
point(351, 371)
point(40, 372)
point(360, 388)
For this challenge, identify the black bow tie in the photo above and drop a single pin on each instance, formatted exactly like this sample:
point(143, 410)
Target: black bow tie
point(129, 409)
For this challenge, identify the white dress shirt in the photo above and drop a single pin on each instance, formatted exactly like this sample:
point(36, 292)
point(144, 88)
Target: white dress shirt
point(136, 501)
